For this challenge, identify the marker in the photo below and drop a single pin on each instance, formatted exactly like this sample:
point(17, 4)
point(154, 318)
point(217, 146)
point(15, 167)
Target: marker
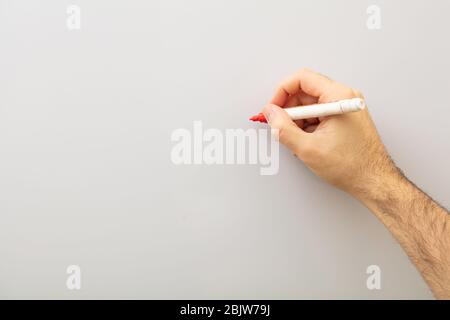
point(320, 110)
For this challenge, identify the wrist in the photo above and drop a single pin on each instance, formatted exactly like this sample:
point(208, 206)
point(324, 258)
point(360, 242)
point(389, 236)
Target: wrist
point(381, 192)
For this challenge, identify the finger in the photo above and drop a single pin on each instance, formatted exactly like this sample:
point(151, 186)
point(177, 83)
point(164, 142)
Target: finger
point(292, 101)
point(311, 128)
point(299, 99)
point(300, 123)
point(305, 80)
point(288, 132)
point(312, 121)
point(306, 99)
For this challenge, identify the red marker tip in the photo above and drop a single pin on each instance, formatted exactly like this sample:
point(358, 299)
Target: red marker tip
point(259, 118)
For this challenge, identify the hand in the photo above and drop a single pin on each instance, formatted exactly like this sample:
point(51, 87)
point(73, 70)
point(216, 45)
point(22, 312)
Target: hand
point(345, 150)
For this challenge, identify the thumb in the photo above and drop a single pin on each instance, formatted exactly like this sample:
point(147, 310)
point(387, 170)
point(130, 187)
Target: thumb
point(289, 133)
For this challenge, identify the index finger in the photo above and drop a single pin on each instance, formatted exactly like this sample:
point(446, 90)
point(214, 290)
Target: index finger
point(310, 82)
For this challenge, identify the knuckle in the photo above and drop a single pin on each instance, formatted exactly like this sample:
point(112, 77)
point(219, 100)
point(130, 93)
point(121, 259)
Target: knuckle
point(348, 92)
point(336, 89)
point(358, 94)
point(288, 137)
point(303, 71)
point(283, 134)
point(277, 124)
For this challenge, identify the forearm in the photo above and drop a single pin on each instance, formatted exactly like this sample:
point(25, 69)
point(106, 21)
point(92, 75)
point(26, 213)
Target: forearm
point(421, 226)
point(347, 151)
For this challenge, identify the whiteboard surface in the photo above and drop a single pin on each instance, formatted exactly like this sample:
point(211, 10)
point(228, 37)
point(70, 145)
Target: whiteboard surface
point(85, 124)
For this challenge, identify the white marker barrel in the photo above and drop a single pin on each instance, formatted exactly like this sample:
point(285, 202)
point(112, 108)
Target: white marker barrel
point(326, 109)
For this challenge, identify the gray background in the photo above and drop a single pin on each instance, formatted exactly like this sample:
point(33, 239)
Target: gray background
point(85, 124)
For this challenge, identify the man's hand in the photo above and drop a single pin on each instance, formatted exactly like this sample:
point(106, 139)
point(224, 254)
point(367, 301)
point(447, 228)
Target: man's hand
point(347, 151)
